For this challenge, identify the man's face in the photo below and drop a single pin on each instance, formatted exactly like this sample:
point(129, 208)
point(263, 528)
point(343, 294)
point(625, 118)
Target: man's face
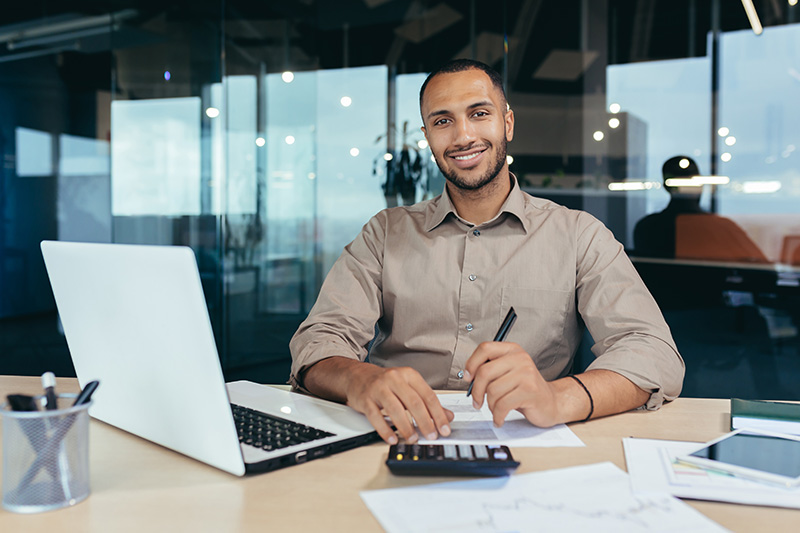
point(467, 127)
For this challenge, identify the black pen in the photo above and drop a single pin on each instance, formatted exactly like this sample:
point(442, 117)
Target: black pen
point(505, 327)
point(86, 393)
point(49, 384)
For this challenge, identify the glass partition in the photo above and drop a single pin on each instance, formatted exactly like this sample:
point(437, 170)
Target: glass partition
point(264, 135)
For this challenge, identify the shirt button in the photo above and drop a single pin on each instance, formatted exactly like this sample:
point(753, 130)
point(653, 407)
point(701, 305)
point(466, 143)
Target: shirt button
point(469, 327)
point(460, 374)
point(476, 232)
point(473, 277)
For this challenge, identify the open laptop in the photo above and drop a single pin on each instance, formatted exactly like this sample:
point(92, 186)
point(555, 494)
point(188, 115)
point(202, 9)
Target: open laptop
point(135, 319)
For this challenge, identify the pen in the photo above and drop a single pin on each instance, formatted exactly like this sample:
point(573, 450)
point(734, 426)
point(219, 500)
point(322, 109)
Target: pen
point(49, 384)
point(505, 327)
point(86, 393)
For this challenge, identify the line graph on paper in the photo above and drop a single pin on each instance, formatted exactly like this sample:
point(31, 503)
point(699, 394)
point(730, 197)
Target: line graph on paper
point(594, 498)
point(527, 514)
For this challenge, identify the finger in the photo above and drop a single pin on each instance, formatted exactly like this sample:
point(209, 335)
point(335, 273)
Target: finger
point(396, 410)
point(419, 410)
point(378, 421)
point(478, 358)
point(498, 388)
point(503, 406)
point(486, 375)
point(438, 414)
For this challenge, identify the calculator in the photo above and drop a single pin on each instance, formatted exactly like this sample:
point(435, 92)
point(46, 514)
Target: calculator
point(450, 460)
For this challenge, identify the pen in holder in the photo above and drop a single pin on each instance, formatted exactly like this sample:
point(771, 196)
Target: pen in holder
point(45, 456)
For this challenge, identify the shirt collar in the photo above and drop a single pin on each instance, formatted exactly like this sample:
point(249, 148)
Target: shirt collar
point(514, 205)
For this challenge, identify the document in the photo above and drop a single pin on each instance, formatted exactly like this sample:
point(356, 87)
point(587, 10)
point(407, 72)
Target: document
point(471, 426)
point(594, 498)
point(653, 469)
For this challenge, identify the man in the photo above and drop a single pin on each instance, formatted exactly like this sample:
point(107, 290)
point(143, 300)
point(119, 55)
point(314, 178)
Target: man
point(438, 277)
point(683, 230)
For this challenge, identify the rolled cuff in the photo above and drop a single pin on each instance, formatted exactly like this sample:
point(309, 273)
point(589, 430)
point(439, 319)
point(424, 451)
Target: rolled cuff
point(312, 354)
point(660, 374)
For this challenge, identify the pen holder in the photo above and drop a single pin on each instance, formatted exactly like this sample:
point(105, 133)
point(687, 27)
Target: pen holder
point(45, 457)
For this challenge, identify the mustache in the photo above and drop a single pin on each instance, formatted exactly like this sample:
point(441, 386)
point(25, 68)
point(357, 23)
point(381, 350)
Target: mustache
point(479, 146)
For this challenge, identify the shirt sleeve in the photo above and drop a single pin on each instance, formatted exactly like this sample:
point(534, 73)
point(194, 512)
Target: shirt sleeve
point(630, 333)
point(342, 321)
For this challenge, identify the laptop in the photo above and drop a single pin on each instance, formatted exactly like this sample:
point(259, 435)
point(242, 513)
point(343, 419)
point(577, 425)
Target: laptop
point(135, 319)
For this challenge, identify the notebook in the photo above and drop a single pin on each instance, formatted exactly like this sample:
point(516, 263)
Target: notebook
point(135, 319)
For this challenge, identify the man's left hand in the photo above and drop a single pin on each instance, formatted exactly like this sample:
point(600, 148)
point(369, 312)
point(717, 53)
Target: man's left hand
point(505, 374)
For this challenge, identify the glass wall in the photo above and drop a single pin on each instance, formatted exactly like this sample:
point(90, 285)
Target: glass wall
point(264, 135)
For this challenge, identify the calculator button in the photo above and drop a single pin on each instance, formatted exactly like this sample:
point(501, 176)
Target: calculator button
point(450, 451)
point(500, 454)
point(481, 452)
point(465, 451)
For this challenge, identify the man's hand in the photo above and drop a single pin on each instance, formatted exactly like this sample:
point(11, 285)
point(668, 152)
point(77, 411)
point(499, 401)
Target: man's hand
point(399, 393)
point(509, 379)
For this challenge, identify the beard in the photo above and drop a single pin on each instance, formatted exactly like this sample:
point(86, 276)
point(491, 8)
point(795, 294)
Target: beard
point(491, 173)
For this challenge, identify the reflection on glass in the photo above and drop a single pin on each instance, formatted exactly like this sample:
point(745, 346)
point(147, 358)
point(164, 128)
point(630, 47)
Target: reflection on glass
point(34, 153)
point(155, 163)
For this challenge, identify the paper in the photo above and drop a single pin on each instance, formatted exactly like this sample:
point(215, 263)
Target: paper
point(594, 498)
point(652, 469)
point(476, 427)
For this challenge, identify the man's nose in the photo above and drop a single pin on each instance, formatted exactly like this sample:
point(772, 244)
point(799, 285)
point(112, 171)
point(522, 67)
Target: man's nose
point(464, 133)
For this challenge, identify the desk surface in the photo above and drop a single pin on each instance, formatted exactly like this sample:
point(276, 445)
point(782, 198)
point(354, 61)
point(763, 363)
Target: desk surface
point(139, 486)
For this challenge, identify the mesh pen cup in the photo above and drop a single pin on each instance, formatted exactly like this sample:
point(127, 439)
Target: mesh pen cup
point(45, 457)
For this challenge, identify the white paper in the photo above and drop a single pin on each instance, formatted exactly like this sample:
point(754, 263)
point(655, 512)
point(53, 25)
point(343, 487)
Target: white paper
point(652, 469)
point(594, 498)
point(471, 426)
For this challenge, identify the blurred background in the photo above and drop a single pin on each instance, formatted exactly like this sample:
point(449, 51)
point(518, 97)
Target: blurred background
point(265, 134)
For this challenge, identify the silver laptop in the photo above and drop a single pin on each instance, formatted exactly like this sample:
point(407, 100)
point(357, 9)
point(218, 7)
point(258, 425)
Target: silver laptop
point(136, 320)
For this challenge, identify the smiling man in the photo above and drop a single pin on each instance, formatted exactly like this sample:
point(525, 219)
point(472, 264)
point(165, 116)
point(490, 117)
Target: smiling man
point(436, 279)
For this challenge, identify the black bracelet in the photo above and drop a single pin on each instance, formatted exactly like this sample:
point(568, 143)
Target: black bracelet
point(589, 394)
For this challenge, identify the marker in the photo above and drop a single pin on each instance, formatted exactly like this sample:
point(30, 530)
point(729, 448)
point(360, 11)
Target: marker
point(505, 327)
point(49, 384)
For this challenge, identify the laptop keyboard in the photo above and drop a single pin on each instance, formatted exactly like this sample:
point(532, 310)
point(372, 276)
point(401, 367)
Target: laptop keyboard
point(269, 432)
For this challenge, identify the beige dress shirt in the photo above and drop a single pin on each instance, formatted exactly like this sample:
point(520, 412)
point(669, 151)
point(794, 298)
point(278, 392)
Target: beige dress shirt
point(437, 286)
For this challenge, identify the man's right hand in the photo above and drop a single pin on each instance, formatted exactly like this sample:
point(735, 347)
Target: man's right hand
point(401, 394)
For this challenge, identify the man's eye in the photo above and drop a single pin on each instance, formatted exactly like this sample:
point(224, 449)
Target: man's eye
point(440, 122)
point(481, 114)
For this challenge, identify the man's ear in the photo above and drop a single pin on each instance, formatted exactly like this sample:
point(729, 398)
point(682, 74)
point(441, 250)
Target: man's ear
point(424, 132)
point(509, 123)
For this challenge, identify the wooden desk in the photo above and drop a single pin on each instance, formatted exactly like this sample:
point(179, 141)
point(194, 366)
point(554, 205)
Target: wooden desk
point(138, 486)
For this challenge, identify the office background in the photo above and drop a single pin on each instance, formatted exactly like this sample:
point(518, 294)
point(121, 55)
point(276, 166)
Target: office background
point(265, 134)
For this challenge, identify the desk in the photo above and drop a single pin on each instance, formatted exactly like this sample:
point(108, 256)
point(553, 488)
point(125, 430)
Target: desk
point(138, 486)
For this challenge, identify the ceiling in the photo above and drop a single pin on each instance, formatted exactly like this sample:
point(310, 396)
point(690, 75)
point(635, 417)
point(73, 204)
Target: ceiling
point(552, 44)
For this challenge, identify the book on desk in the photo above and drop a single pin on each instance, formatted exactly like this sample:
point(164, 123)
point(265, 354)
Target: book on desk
point(781, 417)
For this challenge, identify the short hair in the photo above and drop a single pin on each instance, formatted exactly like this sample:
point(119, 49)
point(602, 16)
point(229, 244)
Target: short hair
point(678, 167)
point(461, 65)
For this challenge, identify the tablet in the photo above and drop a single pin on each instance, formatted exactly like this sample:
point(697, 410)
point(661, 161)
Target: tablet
point(756, 455)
